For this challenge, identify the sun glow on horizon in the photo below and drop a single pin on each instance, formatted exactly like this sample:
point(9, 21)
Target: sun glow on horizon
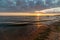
point(38, 14)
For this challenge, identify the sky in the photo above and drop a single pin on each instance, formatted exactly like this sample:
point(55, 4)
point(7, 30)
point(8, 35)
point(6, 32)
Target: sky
point(29, 5)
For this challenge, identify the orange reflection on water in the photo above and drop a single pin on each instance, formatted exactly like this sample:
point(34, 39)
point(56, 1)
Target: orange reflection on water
point(38, 21)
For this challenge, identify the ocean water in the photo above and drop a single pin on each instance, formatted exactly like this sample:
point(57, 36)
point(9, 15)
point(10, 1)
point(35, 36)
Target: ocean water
point(26, 28)
point(16, 28)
